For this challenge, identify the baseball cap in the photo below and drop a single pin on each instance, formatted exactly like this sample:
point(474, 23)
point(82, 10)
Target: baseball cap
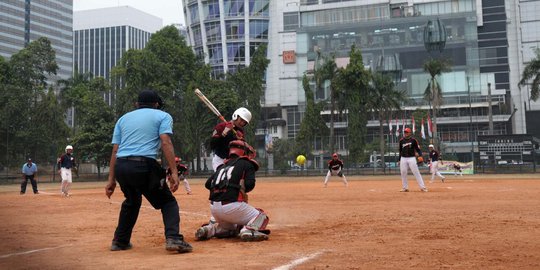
point(29, 159)
point(148, 96)
point(408, 130)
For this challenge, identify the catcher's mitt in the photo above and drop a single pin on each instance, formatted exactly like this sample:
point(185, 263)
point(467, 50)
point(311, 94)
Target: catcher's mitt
point(420, 160)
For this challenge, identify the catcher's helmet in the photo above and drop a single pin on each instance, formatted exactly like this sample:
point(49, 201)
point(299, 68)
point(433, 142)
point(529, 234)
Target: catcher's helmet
point(241, 149)
point(242, 113)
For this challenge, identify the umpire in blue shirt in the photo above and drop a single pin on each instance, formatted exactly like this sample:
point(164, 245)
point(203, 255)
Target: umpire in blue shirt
point(138, 136)
point(29, 171)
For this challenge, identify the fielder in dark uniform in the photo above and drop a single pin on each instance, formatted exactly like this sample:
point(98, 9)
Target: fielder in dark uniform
point(137, 137)
point(409, 149)
point(182, 174)
point(434, 159)
point(335, 167)
point(29, 171)
point(228, 195)
point(223, 134)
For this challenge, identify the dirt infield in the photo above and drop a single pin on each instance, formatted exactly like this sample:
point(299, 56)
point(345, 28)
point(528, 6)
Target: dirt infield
point(470, 222)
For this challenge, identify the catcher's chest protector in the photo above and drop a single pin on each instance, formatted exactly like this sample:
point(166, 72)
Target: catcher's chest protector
point(222, 179)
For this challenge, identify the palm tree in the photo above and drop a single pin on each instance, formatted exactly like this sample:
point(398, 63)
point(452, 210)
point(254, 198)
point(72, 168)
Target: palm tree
point(532, 71)
point(433, 93)
point(326, 70)
point(383, 99)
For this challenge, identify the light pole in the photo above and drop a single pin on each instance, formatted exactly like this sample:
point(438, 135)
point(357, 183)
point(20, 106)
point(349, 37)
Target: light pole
point(470, 120)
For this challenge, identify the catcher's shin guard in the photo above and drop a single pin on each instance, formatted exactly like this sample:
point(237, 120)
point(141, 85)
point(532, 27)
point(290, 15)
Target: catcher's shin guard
point(259, 222)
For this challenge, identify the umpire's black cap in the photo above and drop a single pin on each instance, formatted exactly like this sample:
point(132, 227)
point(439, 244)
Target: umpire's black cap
point(148, 96)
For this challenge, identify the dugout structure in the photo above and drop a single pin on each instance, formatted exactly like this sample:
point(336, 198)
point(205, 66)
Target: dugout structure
point(508, 153)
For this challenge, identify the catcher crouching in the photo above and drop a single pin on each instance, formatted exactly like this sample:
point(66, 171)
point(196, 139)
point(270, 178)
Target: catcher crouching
point(231, 214)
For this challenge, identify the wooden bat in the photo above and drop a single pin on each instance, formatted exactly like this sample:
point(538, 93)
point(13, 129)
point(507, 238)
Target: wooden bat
point(209, 104)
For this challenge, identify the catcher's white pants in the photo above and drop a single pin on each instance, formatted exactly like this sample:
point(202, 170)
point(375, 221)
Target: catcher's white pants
point(229, 215)
point(335, 172)
point(66, 176)
point(404, 164)
point(434, 168)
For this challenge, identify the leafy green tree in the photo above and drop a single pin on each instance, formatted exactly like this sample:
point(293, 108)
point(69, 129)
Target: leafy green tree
point(433, 92)
point(249, 84)
point(23, 84)
point(313, 125)
point(383, 99)
point(96, 124)
point(283, 153)
point(532, 71)
point(327, 70)
point(354, 81)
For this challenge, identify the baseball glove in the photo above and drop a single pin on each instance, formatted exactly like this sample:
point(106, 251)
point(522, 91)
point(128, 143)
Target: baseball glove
point(419, 160)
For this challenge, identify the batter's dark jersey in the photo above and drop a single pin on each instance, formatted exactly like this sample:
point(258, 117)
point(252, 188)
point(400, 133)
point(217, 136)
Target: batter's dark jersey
point(434, 156)
point(219, 144)
point(408, 147)
point(240, 169)
point(335, 164)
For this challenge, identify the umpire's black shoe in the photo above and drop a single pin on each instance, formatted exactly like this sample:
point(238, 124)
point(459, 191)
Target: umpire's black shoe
point(116, 246)
point(178, 245)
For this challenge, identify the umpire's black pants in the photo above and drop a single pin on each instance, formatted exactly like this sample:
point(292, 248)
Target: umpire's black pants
point(137, 178)
point(25, 183)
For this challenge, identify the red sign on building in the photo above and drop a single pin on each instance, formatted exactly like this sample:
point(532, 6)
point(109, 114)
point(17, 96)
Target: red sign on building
point(289, 57)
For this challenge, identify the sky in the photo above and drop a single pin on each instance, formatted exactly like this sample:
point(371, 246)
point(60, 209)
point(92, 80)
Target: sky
point(168, 10)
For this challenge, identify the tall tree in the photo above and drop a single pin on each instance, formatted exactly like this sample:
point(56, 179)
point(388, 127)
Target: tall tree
point(325, 72)
point(249, 84)
point(353, 80)
point(532, 71)
point(96, 123)
point(433, 92)
point(383, 99)
point(313, 125)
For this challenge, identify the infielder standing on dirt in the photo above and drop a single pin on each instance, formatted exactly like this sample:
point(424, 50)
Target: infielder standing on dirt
point(65, 163)
point(409, 149)
point(434, 159)
point(223, 134)
point(138, 136)
point(228, 187)
point(182, 174)
point(335, 167)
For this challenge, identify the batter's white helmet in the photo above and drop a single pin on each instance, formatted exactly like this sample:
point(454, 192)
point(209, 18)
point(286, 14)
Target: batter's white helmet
point(69, 147)
point(242, 113)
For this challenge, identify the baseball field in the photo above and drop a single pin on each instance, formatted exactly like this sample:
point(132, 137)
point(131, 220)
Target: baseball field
point(469, 222)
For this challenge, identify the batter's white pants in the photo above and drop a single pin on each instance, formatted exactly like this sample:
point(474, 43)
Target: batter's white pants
point(434, 168)
point(216, 161)
point(335, 172)
point(66, 176)
point(404, 164)
point(229, 216)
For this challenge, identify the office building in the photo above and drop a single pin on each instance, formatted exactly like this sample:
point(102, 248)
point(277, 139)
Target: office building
point(23, 21)
point(227, 32)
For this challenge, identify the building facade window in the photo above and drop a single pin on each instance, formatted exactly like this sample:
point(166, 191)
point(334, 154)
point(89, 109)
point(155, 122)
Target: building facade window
point(213, 31)
point(235, 29)
point(211, 10)
point(259, 8)
point(290, 21)
point(233, 8)
point(236, 52)
point(215, 54)
point(258, 29)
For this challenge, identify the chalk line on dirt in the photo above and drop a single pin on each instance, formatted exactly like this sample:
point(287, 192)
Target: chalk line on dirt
point(31, 251)
point(152, 208)
point(298, 261)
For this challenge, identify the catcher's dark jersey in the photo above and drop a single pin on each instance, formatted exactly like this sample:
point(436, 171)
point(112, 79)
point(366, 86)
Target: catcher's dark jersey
point(224, 184)
point(335, 164)
point(433, 155)
point(220, 144)
point(408, 147)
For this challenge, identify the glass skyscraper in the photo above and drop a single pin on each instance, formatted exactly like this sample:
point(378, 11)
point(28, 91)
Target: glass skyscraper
point(23, 21)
